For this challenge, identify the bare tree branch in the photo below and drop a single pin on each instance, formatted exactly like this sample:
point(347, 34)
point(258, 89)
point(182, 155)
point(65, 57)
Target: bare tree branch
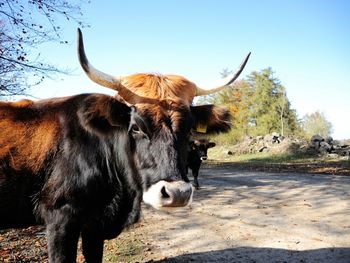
point(22, 29)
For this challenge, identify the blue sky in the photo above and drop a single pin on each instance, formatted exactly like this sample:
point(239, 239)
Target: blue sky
point(306, 43)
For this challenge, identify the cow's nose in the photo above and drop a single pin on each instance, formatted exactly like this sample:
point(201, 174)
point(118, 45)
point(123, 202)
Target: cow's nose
point(176, 194)
point(164, 193)
point(168, 194)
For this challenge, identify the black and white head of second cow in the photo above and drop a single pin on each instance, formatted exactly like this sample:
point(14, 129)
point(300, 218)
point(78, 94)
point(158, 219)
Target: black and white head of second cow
point(198, 152)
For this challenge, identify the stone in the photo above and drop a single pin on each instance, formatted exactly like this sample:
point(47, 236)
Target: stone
point(317, 138)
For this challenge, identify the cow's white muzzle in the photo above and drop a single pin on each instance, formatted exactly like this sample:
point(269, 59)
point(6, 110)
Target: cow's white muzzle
point(168, 194)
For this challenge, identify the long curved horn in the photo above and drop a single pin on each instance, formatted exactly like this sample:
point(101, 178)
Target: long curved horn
point(104, 79)
point(94, 74)
point(223, 82)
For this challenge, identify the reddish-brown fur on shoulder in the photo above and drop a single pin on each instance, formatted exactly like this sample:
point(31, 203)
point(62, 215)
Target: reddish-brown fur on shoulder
point(161, 87)
point(27, 135)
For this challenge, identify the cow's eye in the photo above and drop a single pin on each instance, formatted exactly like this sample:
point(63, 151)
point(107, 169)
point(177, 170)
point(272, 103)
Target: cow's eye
point(137, 132)
point(135, 129)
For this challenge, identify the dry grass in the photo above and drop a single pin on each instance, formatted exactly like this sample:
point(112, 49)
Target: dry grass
point(279, 162)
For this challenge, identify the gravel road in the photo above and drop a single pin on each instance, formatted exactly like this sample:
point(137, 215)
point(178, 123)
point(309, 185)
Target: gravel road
point(236, 216)
point(256, 217)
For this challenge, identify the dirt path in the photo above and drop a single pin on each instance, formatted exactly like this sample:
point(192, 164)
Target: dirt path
point(255, 217)
point(235, 217)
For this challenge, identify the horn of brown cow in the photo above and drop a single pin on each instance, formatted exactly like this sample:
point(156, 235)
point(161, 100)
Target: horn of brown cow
point(101, 78)
point(223, 82)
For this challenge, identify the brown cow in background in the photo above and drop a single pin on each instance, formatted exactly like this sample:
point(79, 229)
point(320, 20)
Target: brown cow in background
point(82, 164)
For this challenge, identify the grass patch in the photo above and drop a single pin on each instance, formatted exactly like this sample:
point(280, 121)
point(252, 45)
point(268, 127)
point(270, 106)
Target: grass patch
point(272, 162)
point(220, 153)
point(127, 247)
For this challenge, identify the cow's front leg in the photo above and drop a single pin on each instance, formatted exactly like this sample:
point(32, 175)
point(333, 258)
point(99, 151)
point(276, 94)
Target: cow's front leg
point(92, 245)
point(195, 178)
point(62, 235)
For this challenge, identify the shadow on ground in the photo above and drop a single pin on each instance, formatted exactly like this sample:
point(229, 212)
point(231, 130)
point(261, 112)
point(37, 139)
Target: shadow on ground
point(271, 255)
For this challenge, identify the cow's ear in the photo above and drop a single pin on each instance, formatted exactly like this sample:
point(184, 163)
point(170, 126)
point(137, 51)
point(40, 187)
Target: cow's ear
point(211, 145)
point(211, 119)
point(103, 114)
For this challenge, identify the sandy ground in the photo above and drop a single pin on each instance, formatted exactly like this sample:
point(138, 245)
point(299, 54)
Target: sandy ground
point(255, 217)
point(235, 217)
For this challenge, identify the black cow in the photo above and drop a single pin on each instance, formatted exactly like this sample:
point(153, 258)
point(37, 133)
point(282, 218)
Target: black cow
point(196, 154)
point(82, 164)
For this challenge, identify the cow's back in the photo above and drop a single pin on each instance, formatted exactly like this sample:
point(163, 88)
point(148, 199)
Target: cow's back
point(28, 140)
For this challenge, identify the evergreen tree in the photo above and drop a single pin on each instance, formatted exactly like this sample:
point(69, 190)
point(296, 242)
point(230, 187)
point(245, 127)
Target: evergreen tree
point(270, 109)
point(259, 106)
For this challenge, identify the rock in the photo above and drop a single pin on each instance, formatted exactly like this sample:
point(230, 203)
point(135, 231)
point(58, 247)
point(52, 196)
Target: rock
point(303, 146)
point(275, 143)
point(329, 140)
point(344, 143)
point(325, 147)
point(275, 134)
point(315, 141)
point(342, 151)
point(262, 149)
point(317, 138)
point(251, 141)
point(332, 155)
point(281, 138)
point(268, 138)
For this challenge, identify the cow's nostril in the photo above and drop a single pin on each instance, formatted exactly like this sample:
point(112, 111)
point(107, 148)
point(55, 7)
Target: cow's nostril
point(164, 192)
